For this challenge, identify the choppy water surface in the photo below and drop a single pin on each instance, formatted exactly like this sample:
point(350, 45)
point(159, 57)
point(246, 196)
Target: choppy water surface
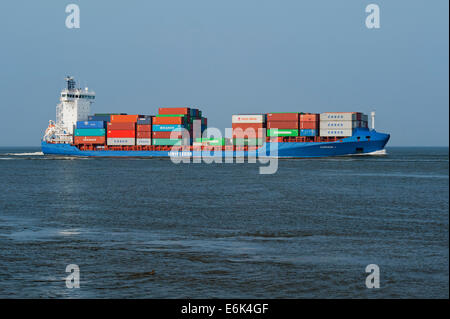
point(148, 228)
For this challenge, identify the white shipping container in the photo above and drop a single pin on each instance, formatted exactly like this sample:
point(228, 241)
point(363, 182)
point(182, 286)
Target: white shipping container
point(339, 124)
point(336, 132)
point(242, 118)
point(121, 141)
point(144, 141)
point(343, 116)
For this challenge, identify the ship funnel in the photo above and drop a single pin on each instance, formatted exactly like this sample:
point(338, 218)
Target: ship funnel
point(372, 114)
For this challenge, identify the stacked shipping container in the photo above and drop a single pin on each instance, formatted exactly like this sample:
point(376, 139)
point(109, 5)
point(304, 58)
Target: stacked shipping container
point(89, 132)
point(341, 123)
point(282, 124)
point(248, 129)
point(169, 125)
point(144, 130)
point(309, 124)
point(121, 130)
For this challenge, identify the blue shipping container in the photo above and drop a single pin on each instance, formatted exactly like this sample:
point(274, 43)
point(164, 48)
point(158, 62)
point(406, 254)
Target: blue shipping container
point(308, 132)
point(105, 118)
point(90, 124)
point(194, 112)
point(167, 128)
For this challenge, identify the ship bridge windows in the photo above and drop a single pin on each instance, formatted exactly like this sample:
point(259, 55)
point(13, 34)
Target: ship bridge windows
point(78, 96)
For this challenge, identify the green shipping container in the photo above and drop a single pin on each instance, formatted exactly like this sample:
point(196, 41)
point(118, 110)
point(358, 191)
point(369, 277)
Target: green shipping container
point(90, 132)
point(166, 141)
point(281, 132)
point(211, 141)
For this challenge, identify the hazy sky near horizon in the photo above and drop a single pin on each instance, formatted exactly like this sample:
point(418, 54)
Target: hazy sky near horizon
point(229, 57)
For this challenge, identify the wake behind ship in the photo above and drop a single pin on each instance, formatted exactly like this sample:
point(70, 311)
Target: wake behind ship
point(183, 131)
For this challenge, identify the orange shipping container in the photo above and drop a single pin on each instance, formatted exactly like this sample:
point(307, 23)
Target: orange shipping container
point(168, 120)
point(124, 118)
point(309, 125)
point(309, 117)
point(174, 110)
point(89, 140)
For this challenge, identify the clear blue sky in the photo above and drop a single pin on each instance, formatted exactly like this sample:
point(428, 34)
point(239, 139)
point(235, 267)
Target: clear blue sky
point(229, 56)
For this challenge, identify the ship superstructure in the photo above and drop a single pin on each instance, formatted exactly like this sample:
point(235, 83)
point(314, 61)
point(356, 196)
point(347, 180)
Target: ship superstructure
point(75, 105)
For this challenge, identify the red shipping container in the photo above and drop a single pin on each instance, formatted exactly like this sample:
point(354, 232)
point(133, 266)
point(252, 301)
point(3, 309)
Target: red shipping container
point(121, 133)
point(174, 110)
point(282, 117)
point(144, 134)
point(121, 126)
point(246, 135)
point(309, 117)
point(240, 130)
point(249, 133)
point(168, 120)
point(312, 125)
point(144, 128)
point(250, 130)
point(291, 125)
point(245, 126)
point(124, 118)
point(89, 140)
point(167, 135)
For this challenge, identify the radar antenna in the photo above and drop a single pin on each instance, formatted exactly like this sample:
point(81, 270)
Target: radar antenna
point(70, 83)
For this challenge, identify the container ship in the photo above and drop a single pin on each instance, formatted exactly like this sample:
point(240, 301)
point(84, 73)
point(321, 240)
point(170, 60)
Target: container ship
point(183, 131)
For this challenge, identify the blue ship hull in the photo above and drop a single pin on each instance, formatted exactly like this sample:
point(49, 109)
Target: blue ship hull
point(369, 141)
